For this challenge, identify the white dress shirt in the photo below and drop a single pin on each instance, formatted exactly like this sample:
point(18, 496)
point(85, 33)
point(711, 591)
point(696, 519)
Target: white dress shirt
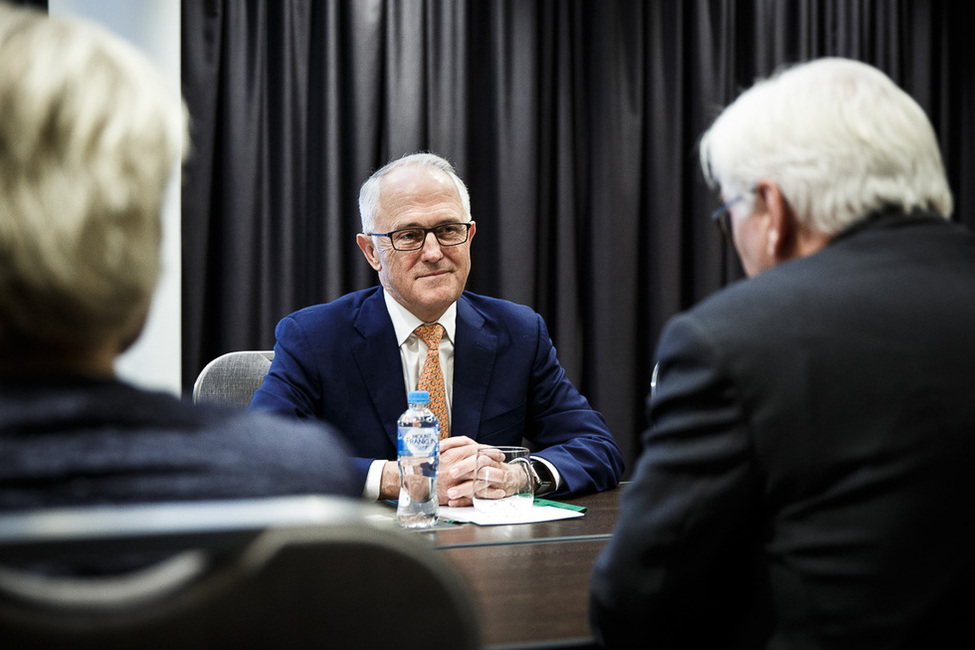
point(412, 353)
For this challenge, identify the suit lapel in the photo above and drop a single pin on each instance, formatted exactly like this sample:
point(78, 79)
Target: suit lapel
point(377, 358)
point(474, 353)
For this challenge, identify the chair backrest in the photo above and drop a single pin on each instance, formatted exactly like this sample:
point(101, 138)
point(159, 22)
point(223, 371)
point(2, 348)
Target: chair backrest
point(233, 377)
point(311, 572)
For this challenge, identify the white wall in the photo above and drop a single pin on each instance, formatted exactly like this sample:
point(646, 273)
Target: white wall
point(154, 27)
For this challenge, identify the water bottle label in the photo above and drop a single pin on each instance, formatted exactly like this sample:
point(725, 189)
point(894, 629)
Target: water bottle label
point(416, 441)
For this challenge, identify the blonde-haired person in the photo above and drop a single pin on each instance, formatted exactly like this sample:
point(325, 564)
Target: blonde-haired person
point(89, 136)
point(806, 478)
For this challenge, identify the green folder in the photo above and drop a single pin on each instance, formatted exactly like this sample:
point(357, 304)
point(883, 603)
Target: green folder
point(559, 504)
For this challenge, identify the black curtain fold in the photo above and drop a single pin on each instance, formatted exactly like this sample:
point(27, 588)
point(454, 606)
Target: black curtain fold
point(574, 123)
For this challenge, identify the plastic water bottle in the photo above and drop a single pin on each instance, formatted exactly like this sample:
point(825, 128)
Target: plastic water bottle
point(418, 452)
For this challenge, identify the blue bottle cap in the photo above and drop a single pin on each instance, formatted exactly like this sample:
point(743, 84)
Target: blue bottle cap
point(419, 397)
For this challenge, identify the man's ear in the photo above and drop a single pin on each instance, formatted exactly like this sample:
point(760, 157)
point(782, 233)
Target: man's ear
point(369, 251)
point(782, 230)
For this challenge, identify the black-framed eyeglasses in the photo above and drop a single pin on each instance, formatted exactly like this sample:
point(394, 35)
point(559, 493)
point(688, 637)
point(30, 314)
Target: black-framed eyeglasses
point(412, 239)
point(722, 217)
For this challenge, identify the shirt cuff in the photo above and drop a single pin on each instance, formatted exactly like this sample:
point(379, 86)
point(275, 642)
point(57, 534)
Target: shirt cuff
point(374, 480)
point(555, 473)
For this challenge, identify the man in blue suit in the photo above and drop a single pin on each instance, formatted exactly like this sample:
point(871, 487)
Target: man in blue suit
point(351, 361)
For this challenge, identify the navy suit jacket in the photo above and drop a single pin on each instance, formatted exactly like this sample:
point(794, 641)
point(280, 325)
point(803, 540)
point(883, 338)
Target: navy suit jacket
point(339, 362)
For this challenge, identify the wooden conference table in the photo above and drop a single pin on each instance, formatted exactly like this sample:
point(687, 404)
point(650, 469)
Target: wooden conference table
point(531, 581)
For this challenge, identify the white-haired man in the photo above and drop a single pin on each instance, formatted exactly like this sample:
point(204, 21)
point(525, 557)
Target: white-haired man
point(89, 136)
point(805, 480)
point(351, 362)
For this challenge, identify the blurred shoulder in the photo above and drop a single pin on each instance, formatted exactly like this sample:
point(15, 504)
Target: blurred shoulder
point(309, 448)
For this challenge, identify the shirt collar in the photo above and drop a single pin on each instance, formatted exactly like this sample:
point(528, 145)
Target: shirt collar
point(404, 322)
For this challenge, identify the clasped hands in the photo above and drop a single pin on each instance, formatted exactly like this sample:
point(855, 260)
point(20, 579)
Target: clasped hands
point(458, 457)
point(455, 479)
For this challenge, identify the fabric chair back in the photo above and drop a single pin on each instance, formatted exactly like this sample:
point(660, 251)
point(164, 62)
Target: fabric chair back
point(307, 572)
point(232, 378)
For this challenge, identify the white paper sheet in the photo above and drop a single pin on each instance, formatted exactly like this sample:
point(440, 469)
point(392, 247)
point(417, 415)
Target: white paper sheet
point(507, 515)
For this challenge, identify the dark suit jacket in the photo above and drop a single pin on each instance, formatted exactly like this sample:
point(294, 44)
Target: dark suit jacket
point(807, 480)
point(339, 362)
point(69, 440)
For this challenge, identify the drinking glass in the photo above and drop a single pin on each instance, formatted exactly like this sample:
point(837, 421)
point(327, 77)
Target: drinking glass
point(502, 478)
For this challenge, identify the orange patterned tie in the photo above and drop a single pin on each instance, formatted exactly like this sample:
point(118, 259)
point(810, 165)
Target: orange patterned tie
point(431, 377)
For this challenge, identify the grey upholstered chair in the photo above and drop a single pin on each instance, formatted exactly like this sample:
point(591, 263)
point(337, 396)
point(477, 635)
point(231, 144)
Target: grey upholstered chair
point(293, 572)
point(232, 378)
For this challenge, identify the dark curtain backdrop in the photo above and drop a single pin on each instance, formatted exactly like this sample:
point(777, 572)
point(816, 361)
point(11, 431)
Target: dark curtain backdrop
point(574, 123)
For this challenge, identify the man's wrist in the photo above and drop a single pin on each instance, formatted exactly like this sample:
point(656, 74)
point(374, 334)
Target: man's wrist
point(389, 486)
point(542, 478)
